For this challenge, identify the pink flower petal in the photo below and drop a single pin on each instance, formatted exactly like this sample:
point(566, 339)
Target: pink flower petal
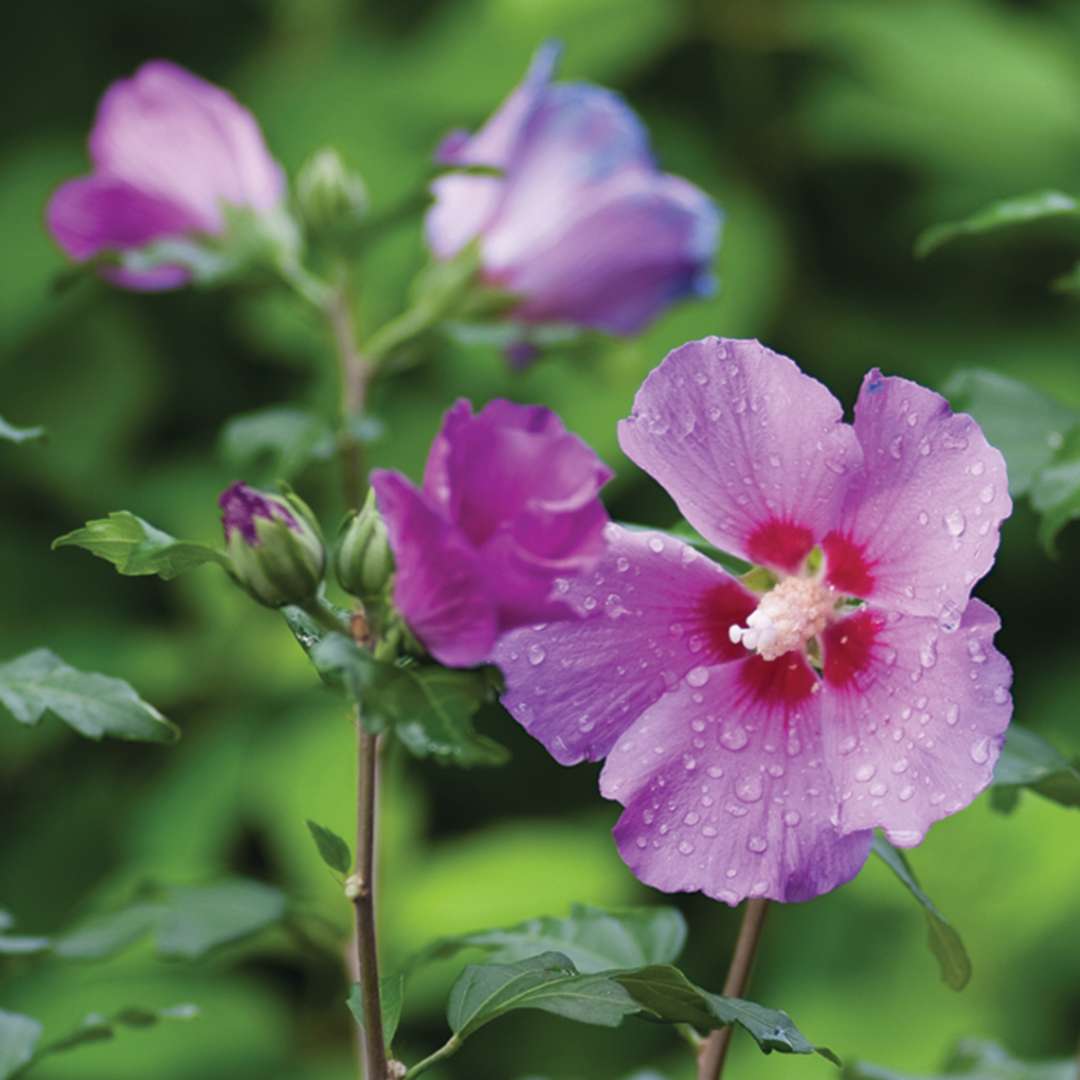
point(921, 521)
point(754, 452)
point(913, 717)
point(653, 613)
point(727, 793)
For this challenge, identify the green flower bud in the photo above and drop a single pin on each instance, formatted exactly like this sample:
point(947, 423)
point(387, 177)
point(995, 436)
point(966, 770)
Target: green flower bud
point(363, 561)
point(274, 544)
point(332, 199)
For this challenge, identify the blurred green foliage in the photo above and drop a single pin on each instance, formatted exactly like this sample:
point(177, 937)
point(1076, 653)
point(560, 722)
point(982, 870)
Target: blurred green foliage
point(832, 132)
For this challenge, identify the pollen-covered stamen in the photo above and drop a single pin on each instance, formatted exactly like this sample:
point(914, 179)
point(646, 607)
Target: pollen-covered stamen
point(787, 617)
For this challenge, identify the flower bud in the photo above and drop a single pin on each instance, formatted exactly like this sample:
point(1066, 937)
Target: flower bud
point(363, 561)
point(274, 543)
point(332, 199)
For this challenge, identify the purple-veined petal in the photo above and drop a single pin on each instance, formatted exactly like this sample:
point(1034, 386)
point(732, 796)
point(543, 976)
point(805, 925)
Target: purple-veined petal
point(921, 521)
point(726, 790)
point(440, 585)
point(754, 453)
point(914, 717)
point(653, 611)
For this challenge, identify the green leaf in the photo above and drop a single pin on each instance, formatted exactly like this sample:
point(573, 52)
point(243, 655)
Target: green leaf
point(1027, 760)
point(10, 433)
point(1018, 210)
point(391, 998)
point(40, 683)
point(977, 1060)
point(135, 547)
point(332, 849)
point(108, 933)
point(944, 941)
point(685, 533)
point(282, 439)
point(18, 1038)
point(198, 918)
point(1056, 490)
point(22, 945)
point(1026, 426)
point(427, 707)
point(593, 939)
point(98, 1028)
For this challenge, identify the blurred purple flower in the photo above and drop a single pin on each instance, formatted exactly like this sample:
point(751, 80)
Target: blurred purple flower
point(756, 740)
point(242, 505)
point(169, 153)
point(508, 514)
point(581, 225)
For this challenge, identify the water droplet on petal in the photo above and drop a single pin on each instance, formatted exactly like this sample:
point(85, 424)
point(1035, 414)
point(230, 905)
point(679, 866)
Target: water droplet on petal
point(955, 523)
point(757, 844)
point(749, 788)
point(536, 654)
point(698, 676)
point(865, 772)
point(980, 751)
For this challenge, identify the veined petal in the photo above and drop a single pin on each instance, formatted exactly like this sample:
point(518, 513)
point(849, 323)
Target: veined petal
point(726, 790)
point(913, 717)
point(754, 452)
point(654, 612)
point(921, 521)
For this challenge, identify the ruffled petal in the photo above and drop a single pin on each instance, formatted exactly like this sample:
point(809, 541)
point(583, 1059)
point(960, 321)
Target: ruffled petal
point(913, 717)
point(726, 791)
point(180, 138)
point(653, 612)
point(921, 521)
point(754, 452)
point(440, 585)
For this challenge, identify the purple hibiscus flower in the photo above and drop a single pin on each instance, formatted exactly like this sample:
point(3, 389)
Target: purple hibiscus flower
point(509, 506)
point(581, 225)
point(756, 739)
point(169, 153)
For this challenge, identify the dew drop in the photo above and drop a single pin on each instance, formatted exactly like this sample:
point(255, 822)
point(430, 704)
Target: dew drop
point(792, 818)
point(749, 788)
point(905, 793)
point(735, 738)
point(987, 494)
point(757, 844)
point(656, 544)
point(955, 522)
point(698, 676)
point(980, 751)
point(865, 772)
point(536, 655)
point(847, 744)
point(685, 847)
point(879, 789)
point(691, 818)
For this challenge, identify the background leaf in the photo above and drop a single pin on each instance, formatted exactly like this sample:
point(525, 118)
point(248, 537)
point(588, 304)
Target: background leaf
point(1028, 760)
point(10, 433)
point(1056, 490)
point(392, 999)
point(18, 1038)
point(333, 850)
point(278, 441)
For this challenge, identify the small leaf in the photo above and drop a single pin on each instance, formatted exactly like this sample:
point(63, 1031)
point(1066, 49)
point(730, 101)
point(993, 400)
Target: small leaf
point(391, 998)
point(40, 683)
point(18, 1037)
point(136, 548)
point(1056, 490)
point(1027, 760)
point(282, 439)
point(10, 433)
point(1026, 426)
point(1018, 210)
point(333, 850)
point(944, 941)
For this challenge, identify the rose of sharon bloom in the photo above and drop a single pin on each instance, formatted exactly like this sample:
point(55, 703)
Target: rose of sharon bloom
point(581, 224)
point(169, 153)
point(509, 505)
point(755, 739)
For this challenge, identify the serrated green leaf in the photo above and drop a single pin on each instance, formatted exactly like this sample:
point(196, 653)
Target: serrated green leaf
point(39, 683)
point(333, 850)
point(977, 1060)
point(1029, 761)
point(1018, 210)
point(392, 1000)
point(1025, 425)
point(10, 433)
point(944, 941)
point(18, 1039)
point(135, 547)
point(198, 918)
point(281, 438)
point(1056, 490)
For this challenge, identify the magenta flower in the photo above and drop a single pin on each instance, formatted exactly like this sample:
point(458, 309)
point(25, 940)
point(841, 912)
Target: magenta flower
point(755, 740)
point(169, 153)
point(508, 507)
point(581, 225)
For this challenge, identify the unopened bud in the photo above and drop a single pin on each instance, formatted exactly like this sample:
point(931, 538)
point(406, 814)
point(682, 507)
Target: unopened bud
point(274, 544)
point(332, 199)
point(363, 561)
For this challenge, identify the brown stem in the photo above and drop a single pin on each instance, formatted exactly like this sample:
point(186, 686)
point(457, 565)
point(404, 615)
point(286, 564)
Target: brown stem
point(356, 373)
point(714, 1048)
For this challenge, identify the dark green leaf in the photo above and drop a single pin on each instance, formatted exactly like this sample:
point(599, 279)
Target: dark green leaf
point(135, 547)
point(1056, 490)
point(40, 683)
point(1026, 426)
point(18, 1038)
point(1014, 211)
point(282, 439)
point(1027, 760)
point(391, 998)
point(977, 1060)
point(10, 433)
point(333, 850)
point(198, 918)
point(945, 942)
